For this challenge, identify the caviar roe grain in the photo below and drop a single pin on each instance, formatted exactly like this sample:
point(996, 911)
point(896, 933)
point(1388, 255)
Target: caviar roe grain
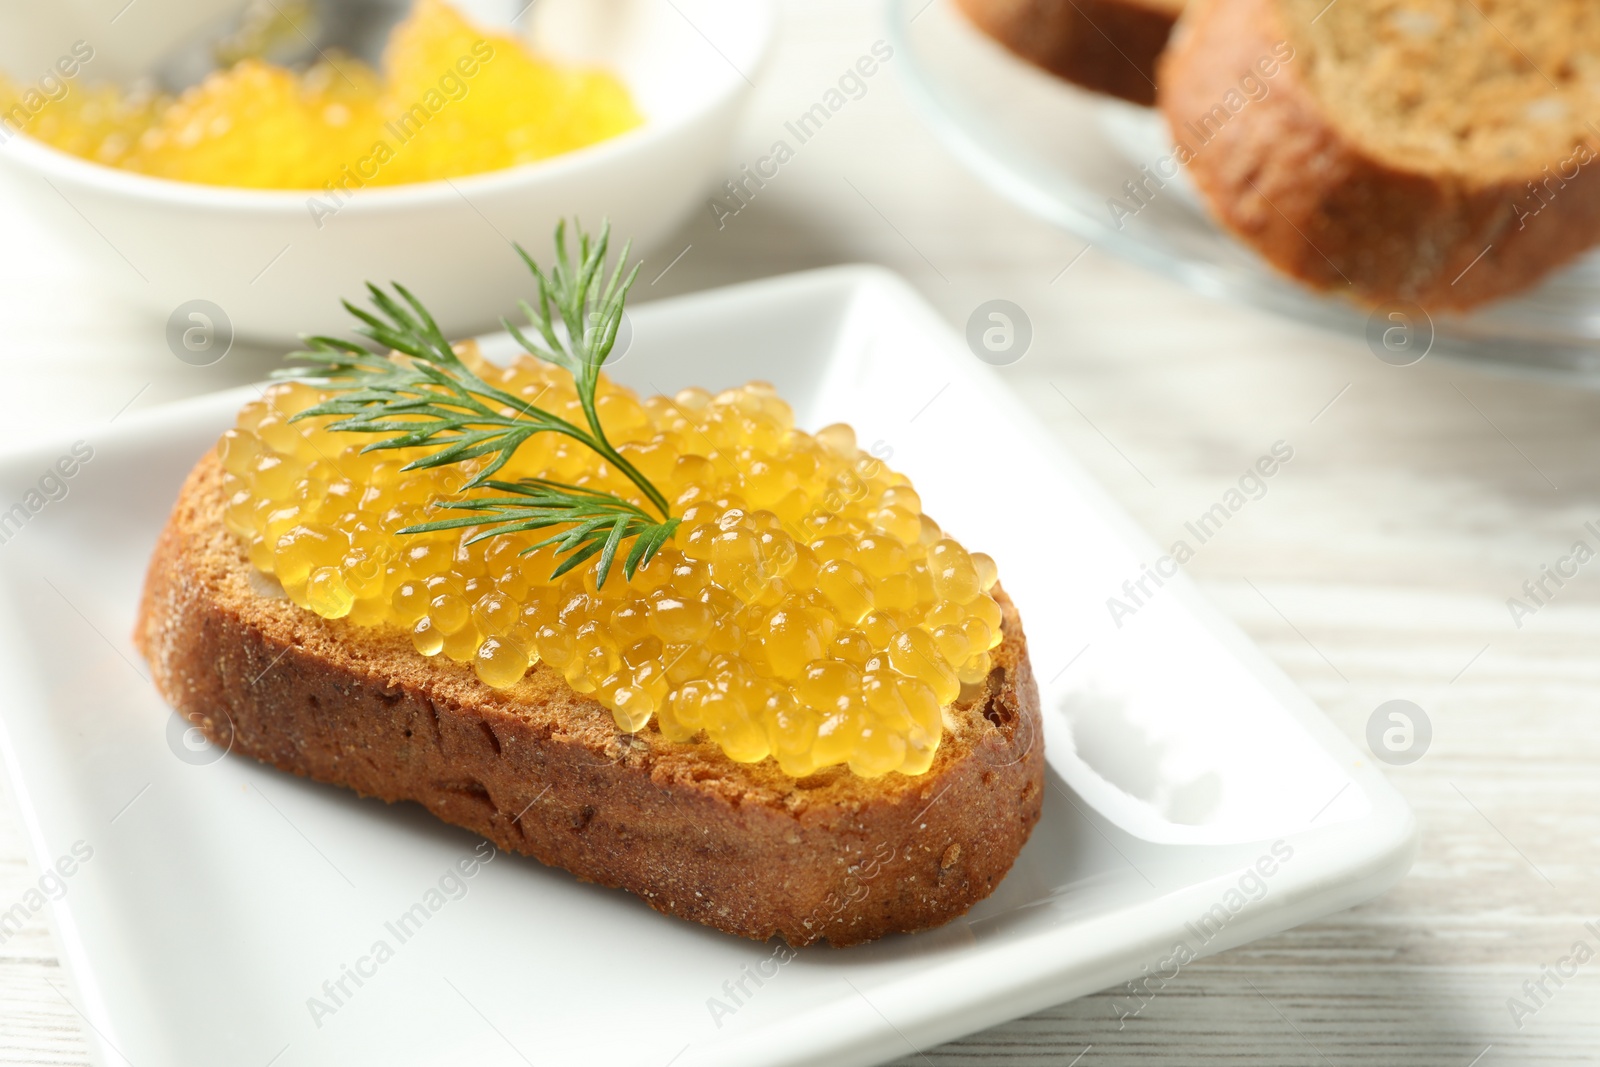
point(806, 608)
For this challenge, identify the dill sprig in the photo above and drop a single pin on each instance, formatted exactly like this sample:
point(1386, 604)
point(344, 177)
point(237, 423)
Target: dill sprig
point(416, 389)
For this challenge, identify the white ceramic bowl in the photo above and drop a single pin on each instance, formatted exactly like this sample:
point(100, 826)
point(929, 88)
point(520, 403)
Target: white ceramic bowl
point(263, 258)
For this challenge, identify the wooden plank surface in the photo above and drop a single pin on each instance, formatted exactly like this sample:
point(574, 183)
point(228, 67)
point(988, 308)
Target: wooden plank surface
point(1376, 567)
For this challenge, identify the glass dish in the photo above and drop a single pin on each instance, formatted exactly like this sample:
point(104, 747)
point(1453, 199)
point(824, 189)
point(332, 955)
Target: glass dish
point(1067, 155)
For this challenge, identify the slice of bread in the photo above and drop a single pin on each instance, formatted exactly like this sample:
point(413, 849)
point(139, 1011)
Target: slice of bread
point(540, 770)
point(1439, 152)
point(1110, 46)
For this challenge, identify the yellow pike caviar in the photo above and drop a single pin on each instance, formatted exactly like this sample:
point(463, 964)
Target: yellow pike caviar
point(451, 101)
point(805, 609)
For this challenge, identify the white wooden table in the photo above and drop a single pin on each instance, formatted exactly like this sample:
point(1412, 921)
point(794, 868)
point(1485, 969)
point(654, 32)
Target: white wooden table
point(1377, 567)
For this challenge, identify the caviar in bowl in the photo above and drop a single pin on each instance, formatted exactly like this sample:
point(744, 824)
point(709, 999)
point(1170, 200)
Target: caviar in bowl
point(274, 261)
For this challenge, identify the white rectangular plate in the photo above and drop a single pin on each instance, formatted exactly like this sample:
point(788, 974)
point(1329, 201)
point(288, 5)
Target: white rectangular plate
point(221, 896)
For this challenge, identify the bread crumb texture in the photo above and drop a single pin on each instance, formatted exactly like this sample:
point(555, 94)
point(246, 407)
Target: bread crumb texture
point(1477, 87)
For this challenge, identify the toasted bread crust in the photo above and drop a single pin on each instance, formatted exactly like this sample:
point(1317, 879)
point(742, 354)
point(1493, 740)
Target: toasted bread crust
point(1284, 176)
point(541, 770)
point(1110, 46)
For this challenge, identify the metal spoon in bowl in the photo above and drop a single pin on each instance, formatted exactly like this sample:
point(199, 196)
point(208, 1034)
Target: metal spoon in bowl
point(291, 33)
